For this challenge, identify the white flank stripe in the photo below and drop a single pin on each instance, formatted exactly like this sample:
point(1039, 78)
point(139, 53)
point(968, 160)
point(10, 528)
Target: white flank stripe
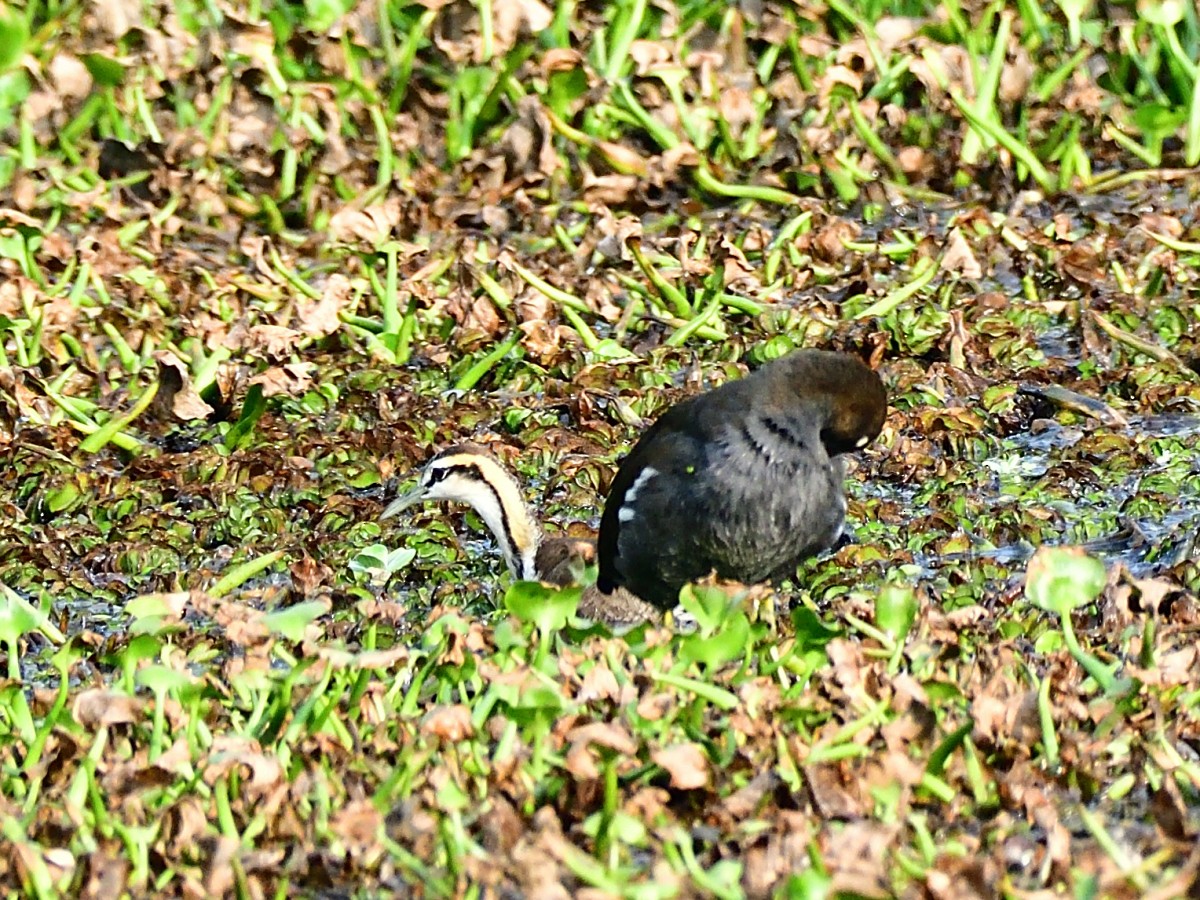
point(639, 483)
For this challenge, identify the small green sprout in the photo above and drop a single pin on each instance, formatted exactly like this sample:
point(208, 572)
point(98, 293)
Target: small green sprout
point(1060, 580)
point(379, 563)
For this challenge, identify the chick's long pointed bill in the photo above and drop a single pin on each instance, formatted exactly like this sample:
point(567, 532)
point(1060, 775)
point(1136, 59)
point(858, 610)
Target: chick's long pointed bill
point(403, 502)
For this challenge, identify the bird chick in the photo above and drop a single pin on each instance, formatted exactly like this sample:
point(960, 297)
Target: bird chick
point(469, 473)
point(745, 480)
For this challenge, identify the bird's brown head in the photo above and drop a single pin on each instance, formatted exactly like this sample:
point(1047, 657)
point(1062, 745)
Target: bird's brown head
point(850, 392)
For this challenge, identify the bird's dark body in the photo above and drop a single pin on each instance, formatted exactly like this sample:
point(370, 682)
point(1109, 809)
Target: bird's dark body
point(744, 480)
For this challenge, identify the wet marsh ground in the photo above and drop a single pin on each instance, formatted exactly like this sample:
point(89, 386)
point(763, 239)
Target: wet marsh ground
point(256, 265)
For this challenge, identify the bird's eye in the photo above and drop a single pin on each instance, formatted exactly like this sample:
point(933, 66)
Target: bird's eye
point(436, 475)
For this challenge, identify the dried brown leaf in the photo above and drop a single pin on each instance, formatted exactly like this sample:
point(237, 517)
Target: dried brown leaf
point(609, 190)
point(599, 684)
point(290, 380)
point(320, 318)
point(371, 226)
point(230, 751)
point(98, 707)
point(70, 76)
point(959, 257)
point(359, 825)
point(604, 734)
point(560, 59)
point(648, 54)
point(512, 18)
point(685, 763)
point(449, 723)
point(857, 859)
point(176, 391)
point(272, 340)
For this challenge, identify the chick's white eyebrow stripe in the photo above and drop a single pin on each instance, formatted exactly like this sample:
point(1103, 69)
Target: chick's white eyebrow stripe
point(488, 487)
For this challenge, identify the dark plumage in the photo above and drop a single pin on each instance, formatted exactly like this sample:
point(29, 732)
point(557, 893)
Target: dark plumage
point(743, 480)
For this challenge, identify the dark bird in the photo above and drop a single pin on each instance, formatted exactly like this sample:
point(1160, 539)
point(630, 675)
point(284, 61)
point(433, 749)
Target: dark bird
point(745, 480)
point(469, 473)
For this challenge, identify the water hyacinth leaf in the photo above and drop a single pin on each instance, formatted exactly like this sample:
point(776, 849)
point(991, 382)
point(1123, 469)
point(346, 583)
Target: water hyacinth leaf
point(150, 612)
point(1062, 579)
point(63, 497)
point(161, 679)
point(810, 631)
point(548, 608)
point(707, 604)
point(727, 644)
point(896, 610)
point(380, 562)
point(18, 616)
point(292, 621)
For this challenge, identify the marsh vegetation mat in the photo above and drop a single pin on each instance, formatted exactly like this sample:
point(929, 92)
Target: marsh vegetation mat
point(258, 262)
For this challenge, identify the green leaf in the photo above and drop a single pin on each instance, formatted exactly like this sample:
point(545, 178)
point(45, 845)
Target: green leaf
point(1060, 579)
point(322, 14)
point(18, 616)
point(539, 697)
point(106, 70)
point(238, 575)
point(65, 496)
point(727, 644)
point(380, 563)
point(111, 429)
point(1157, 119)
point(13, 35)
point(811, 884)
point(291, 621)
point(252, 410)
point(162, 679)
point(1049, 642)
point(152, 612)
point(1167, 13)
point(708, 605)
point(811, 632)
point(895, 610)
point(14, 88)
point(718, 696)
point(546, 607)
point(144, 646)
